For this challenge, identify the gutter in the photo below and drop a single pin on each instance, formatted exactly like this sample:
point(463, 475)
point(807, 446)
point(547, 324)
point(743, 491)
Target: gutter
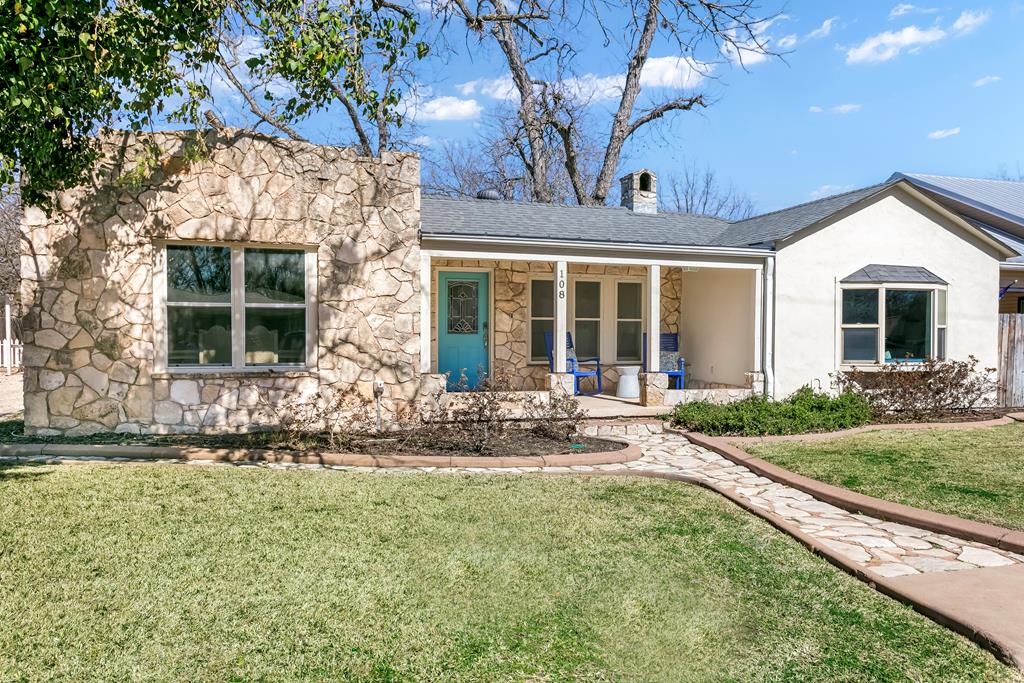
point(600, 246)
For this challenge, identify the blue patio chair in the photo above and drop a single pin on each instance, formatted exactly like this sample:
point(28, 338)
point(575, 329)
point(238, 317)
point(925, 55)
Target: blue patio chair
point(669, 345)
point(572, 364)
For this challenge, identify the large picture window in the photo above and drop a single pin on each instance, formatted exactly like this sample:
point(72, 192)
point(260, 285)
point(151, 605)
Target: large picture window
point(235, 307)
point(892, 324)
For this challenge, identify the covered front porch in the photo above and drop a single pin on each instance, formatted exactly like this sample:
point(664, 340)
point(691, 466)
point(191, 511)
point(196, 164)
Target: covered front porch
point(492, 309)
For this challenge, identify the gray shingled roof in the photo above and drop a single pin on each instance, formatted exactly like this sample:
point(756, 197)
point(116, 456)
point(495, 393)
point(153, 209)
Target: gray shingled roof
point(784, 222)
point(1004, 198)
point(443, 216)
point(875, 272)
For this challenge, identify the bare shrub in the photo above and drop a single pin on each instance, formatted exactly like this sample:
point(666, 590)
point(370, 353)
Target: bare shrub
point(332, 418)
point(559, 418)
point(922, 390)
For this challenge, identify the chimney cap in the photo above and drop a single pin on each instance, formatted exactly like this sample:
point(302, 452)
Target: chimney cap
point(488, 193)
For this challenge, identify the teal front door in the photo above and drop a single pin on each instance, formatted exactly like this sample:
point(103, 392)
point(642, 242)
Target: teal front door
point(462, 326)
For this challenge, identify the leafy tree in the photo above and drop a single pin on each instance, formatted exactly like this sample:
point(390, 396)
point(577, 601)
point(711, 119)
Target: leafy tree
point(71, 68)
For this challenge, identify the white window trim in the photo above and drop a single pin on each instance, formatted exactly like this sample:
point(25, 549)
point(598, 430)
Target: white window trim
point(608, 320)
point(530, 317)
point(238, 306)
point(881, 288)
point(616, 320)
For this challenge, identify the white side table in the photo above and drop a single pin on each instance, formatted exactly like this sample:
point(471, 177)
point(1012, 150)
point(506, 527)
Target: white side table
point(629, 381)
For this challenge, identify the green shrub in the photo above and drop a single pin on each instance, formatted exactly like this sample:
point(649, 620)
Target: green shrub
point(804, 411)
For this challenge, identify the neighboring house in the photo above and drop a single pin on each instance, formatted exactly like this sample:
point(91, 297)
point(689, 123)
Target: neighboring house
point(215, 294)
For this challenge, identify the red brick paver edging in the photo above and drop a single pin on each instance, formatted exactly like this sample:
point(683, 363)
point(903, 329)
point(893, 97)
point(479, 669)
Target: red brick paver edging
point(627, 453)
point(996, 536)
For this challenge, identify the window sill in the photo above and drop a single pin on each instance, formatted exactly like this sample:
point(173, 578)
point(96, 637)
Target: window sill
point(234, 373)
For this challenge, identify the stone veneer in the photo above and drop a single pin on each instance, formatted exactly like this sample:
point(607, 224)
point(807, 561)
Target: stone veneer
point(511, 314)
point(88, 281)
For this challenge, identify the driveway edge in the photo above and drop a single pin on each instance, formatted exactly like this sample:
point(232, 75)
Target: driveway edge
point(999, 537)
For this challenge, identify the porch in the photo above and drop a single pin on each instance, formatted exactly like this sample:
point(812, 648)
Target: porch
point(497, 313)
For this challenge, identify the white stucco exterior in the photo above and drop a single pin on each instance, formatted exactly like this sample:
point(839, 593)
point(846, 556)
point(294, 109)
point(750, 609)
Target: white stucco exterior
point(893, 228)
point(717, 321)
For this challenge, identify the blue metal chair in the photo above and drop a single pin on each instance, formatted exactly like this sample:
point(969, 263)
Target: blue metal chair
point(572, 364)
point(669, 344)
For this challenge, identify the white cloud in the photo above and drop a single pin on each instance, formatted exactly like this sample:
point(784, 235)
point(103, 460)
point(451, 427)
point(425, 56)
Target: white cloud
point(754, 49)
point(674, 72)
point(824, 30)
point(786, 42)
point(904, 8)
point(846, 108)
point(446, 108)
point(838, 109)
point(422, 140)
point(986, 80)
point(944, 133)
point(888, 44)
point(829, 190)
point(501, 88)
point(969, 21)
point(683, 73)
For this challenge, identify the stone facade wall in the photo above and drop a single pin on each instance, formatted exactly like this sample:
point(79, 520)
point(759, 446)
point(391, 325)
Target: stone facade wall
point(510, 316)
point(88, 280)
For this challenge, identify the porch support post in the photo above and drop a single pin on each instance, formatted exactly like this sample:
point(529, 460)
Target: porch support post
point(653, 319)
point(8, 339)
point(758, 318)
point(561, 314)
point(426, 280)
point(768, 324)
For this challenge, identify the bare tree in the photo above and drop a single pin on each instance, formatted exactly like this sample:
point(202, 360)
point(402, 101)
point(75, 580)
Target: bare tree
point(10, 242)
point(697, 190)
point(1003, 173)
point(500, 160)
point(535, 37)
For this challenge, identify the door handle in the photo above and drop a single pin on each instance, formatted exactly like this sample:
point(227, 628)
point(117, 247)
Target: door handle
point(485, 336)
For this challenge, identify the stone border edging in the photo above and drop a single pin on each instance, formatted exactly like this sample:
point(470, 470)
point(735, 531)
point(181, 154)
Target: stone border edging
point(999, 537)
point(1009, 418)
point(965, 626)
point(627, 453)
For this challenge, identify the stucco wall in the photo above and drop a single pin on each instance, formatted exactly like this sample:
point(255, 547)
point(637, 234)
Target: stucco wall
point(510, 316)
point(896, 229)
point(717, 338)
point(88, 280)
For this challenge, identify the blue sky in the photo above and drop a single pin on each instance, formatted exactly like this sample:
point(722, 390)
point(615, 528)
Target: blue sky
point(933, 88)
point(866, 88)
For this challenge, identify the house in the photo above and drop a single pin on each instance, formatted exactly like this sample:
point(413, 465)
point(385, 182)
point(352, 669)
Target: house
point(214, 294)
point(995, 206)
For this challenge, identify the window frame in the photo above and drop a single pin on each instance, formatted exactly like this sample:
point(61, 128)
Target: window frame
point(530, 318)
point(881, 289)
point(608, 343)
point(619, 360)
point(237, 306)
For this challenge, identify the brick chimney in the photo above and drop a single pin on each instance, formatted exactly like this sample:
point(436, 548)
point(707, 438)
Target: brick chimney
point(640, 191)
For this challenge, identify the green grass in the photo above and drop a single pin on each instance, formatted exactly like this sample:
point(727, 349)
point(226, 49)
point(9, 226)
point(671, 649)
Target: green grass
point(213, 573)
point(975, 473)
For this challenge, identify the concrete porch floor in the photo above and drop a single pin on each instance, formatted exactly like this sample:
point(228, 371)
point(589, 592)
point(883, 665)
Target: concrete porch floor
point(605, 405)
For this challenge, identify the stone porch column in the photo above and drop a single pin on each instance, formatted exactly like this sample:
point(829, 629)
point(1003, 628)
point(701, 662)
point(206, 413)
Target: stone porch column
point(426, 280)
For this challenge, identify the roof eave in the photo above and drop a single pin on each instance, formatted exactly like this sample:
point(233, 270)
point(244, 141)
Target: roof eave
point(490, 240)
point(956, 196)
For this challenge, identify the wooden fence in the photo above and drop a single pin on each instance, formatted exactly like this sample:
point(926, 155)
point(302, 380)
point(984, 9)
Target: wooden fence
point(1011, 359)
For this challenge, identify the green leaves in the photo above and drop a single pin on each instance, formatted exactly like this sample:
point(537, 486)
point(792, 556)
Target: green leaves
point(70, 68)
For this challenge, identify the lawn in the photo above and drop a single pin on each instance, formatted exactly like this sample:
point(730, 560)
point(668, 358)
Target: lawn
point(169, 572)
point(977, 473)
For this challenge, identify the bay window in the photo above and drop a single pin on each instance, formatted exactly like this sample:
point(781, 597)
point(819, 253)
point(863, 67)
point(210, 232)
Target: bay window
point(235, 307)
point(892, 323)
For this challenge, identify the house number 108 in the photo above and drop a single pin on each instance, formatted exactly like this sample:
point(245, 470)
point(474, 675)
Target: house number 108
point(561, 288)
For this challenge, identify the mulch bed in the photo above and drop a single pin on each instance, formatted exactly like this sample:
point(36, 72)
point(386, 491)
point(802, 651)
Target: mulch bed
point(518, 442)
